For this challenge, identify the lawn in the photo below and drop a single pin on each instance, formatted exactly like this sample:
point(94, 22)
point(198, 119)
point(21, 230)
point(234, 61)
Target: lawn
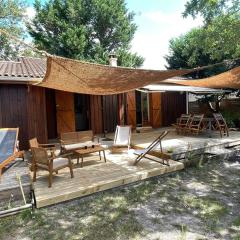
point(197, 203)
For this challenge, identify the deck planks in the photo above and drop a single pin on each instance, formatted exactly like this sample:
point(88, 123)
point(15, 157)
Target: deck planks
point(98, 177)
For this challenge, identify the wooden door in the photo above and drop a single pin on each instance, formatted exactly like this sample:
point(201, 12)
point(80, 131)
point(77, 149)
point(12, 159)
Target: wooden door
point(110, 113)
point(173, 105)
point(65, 112)
point(131, 109)
point(155, 110)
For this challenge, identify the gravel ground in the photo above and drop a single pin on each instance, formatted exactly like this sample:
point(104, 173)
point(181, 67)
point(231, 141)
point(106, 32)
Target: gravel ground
point(197, 203)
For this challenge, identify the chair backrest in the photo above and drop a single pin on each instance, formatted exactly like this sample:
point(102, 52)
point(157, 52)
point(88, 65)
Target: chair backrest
point(184, 119)
point(219, 119)
point(8, 143)
point(122, 135)
point(33, 142)
point(196, 120)
point(156, 142)
point(40, 155)
point(77, 137)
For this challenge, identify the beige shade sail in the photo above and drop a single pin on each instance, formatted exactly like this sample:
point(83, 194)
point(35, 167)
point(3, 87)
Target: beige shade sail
point(229, 79)
point(81, 77)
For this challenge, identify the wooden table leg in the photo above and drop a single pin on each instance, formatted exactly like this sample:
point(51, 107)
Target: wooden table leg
point(104, 155)
point(82, 162)
point(100, 155)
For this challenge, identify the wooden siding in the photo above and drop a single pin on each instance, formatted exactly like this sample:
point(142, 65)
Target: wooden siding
point(173, 105)
point(24, 107)
point(155, 104)
point(65, 112)
point(37, 120)
point(110, 113)
point(131, 109)
point(51, 113)
point(96, 113)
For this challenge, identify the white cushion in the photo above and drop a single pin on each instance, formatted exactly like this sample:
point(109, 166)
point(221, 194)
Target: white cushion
point(59, 162)
point(74, 146)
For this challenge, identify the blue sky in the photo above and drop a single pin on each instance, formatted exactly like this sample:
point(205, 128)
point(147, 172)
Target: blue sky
point(158, 21)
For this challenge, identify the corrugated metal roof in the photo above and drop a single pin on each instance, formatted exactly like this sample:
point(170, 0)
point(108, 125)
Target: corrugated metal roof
point(25, 67)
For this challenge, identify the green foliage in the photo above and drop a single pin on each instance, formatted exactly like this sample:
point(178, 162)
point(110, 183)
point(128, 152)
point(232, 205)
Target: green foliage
point(11, 20)
point(215, 42)
point(85, 29)
point(232, 118)
point(209, 9)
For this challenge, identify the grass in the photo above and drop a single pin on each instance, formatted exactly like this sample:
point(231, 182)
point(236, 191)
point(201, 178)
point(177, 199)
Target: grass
point(203, 202)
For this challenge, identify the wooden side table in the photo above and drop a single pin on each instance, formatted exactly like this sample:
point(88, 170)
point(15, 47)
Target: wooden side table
point(84, 151)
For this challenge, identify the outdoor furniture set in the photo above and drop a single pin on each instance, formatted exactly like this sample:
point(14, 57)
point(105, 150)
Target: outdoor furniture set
point(196, 123)
point(46, 156)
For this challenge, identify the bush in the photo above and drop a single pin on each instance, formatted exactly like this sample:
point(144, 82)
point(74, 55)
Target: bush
point(232, 119)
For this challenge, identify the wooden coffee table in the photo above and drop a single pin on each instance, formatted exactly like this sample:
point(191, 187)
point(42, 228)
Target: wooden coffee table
point(84, 151)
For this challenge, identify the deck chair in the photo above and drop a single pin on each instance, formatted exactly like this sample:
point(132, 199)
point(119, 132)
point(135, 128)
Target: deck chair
point(8, 147)
point(42, 160)
point(142, 153)
point(221, 124)
point(195, 125)
point(182, 123)
point(122, 137)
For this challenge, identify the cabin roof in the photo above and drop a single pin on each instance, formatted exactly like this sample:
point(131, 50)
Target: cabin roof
point(23, 69)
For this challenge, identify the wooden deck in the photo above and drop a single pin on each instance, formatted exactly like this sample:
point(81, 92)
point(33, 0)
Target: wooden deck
point(97, 176)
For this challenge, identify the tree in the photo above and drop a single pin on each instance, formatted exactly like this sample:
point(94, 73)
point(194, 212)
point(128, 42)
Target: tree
point(85, 29)
point(210, 9)
point(215, 42)
point(11, 17)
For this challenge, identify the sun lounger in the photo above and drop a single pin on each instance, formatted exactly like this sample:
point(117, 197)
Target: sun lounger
point(8, 147)
point(122, 137)
point(142, 153)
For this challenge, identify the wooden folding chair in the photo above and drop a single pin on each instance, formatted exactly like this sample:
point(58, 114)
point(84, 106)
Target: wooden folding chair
point(195, 125)
point(221, 124)
point(122, 137)
point(182, 123)
point(8, 147)
point(142, 153)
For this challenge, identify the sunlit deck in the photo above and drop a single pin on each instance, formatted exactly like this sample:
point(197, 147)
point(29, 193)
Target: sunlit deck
point(97, 176)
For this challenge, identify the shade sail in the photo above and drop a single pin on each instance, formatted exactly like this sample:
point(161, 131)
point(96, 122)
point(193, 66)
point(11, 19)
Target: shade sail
point(229, 79)
point(81, 77)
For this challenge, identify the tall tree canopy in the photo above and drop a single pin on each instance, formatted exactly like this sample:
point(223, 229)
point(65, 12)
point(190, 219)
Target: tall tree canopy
point(11, 16)
point(85, 29)
point(216, 41)
point(209, 9)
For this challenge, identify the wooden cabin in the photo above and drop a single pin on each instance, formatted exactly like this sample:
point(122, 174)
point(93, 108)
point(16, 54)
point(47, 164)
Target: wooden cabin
point(45, 113)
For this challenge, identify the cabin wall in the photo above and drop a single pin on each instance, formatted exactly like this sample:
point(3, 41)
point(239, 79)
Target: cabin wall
point(173, 105)
point(24, 107)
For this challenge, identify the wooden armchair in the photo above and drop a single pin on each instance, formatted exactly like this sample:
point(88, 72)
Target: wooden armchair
point(221, 124)
point(52, 164)
point(195, 125)
point(50, 147)
point(182, 123)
